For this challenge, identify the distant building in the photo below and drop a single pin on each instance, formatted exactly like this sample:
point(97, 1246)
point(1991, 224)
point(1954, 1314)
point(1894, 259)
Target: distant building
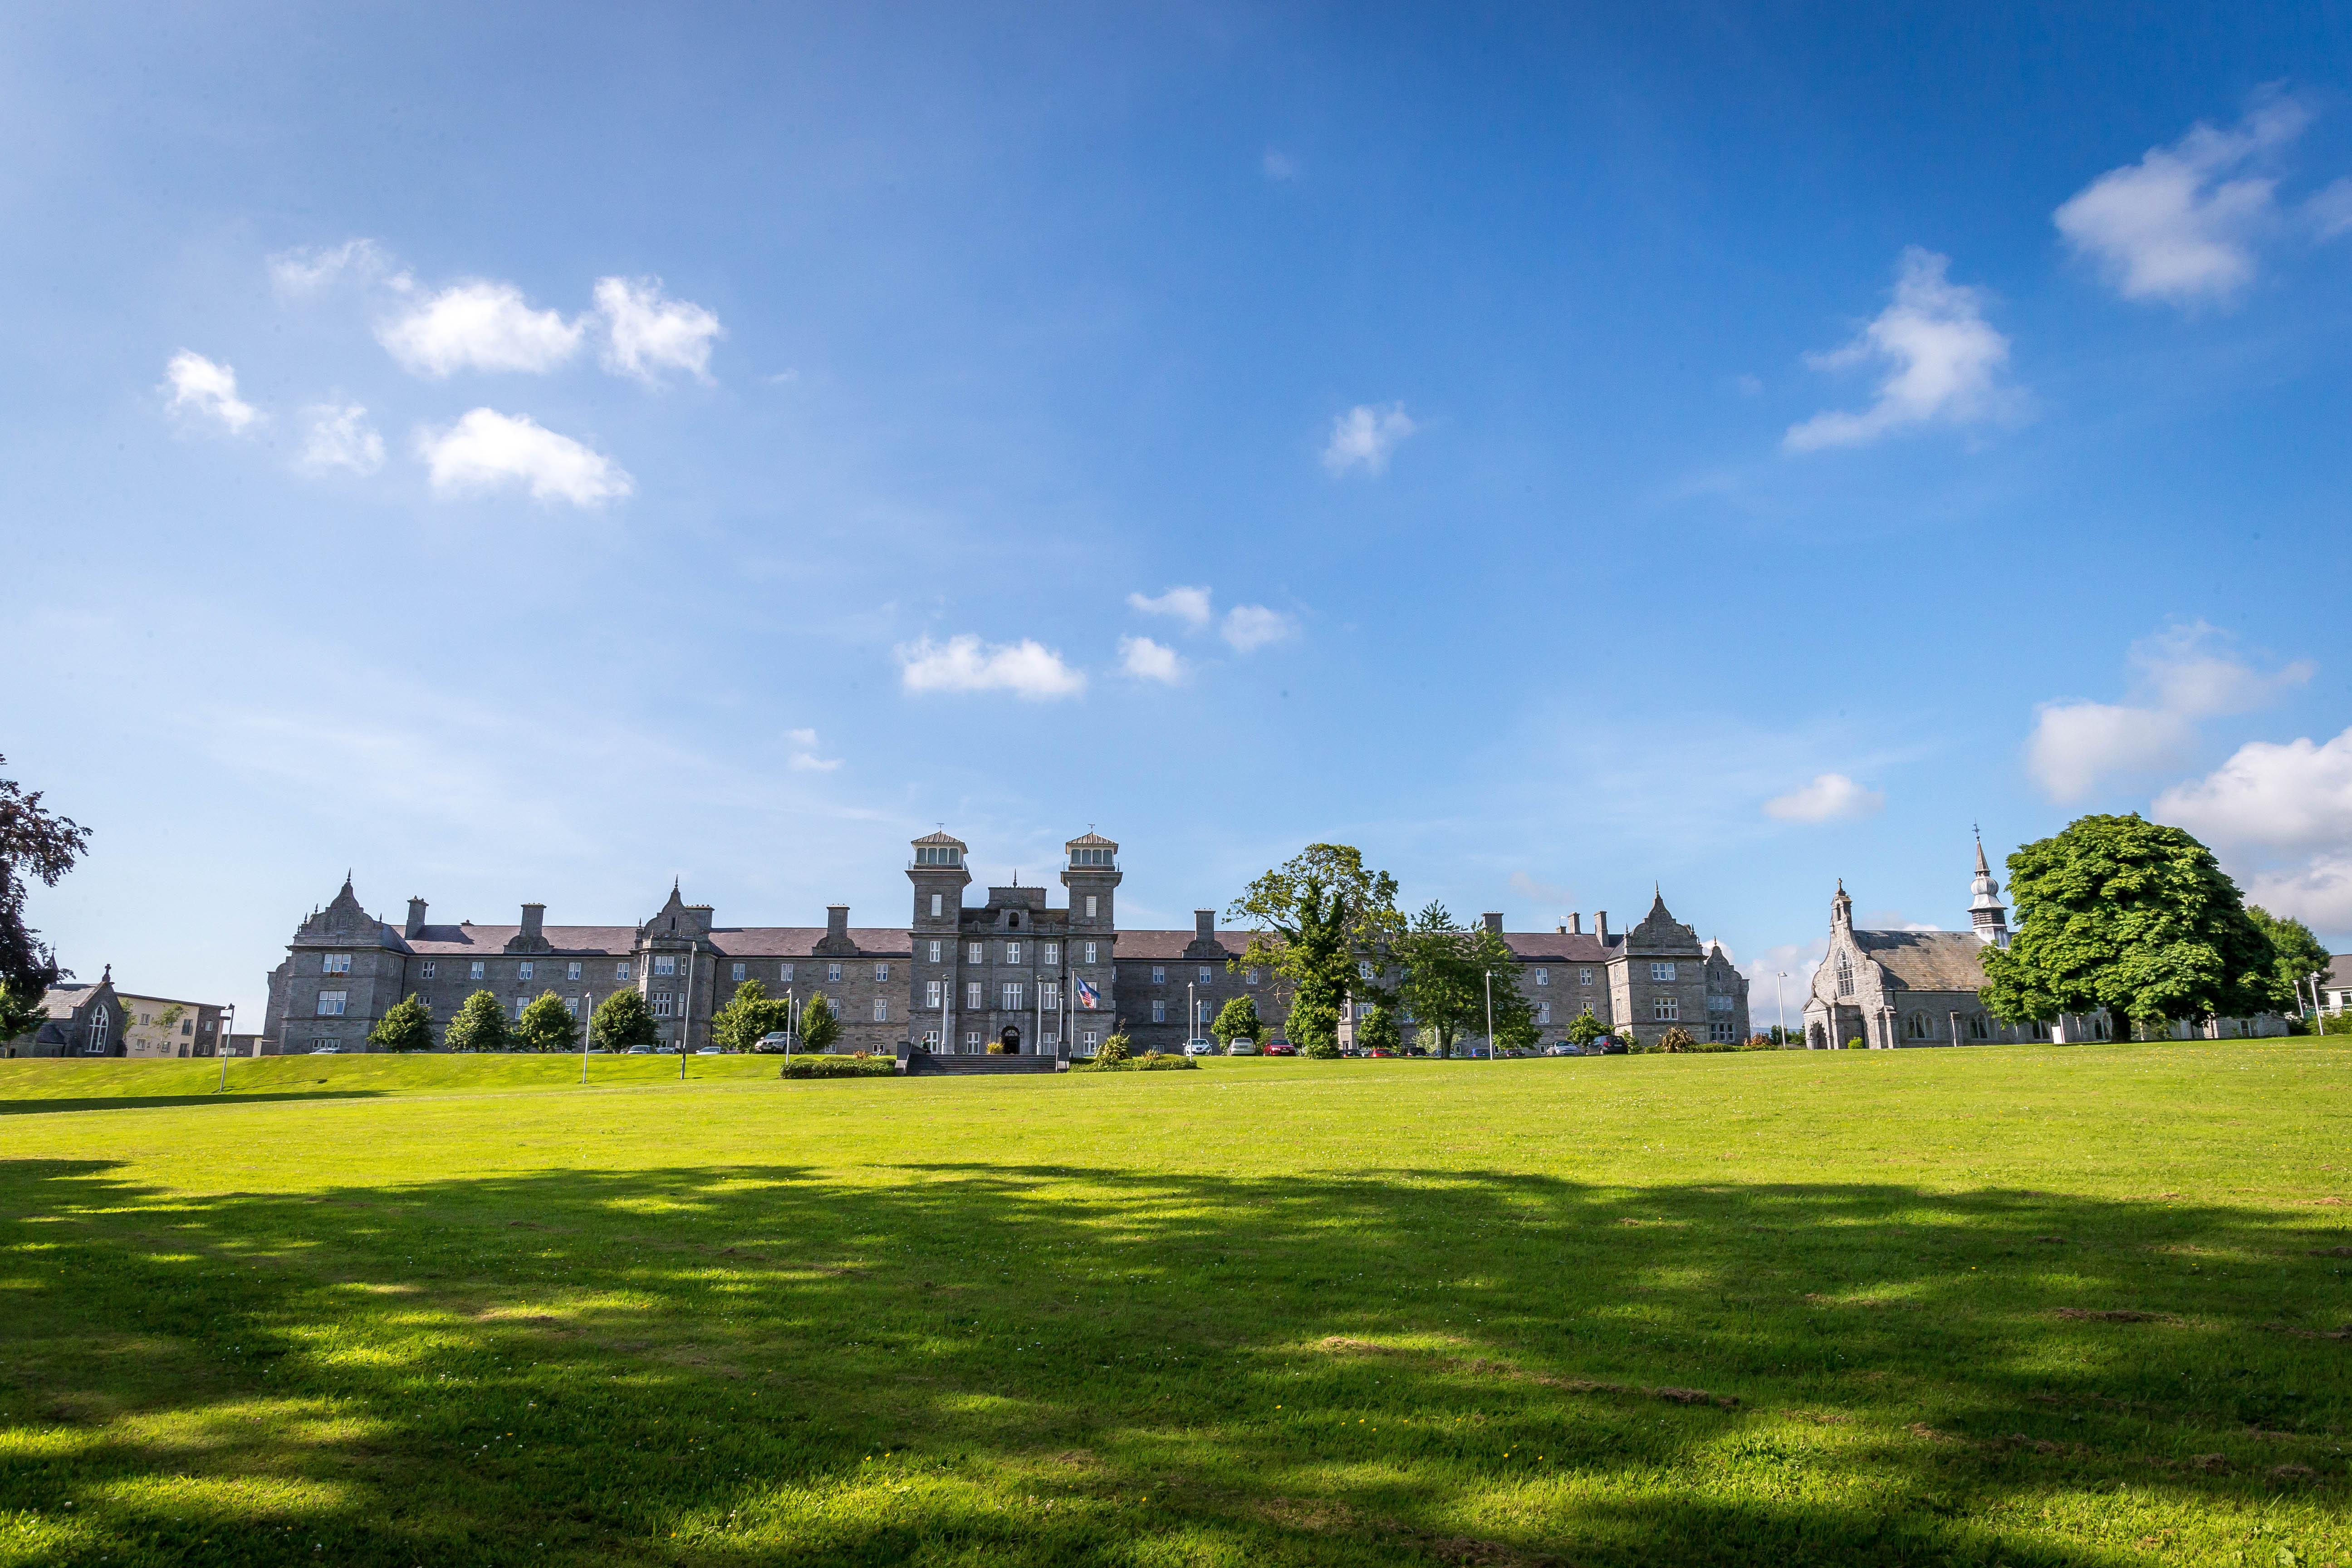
point(154, 1029)
point(1015, 971)
point(84, 1020)
point(1894, 989)
point(2335, 986)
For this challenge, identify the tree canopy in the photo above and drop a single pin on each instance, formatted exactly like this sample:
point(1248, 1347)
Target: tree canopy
point(2299, 954)
point(752, 1015)
point(1376, 1030)
point(623, 1020)
point(1236, 1020)
point(820, 1026)
point(1440, 987)
point(480, 1026)
point(407, 1025)
point(547, 1024)
point(2120, 913)
point(1584, 1028)
point(1312, 920)
point(34, 843)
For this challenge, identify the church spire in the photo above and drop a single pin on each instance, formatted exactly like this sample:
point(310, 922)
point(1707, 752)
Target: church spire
point(1988, 916)
point(1841, 908)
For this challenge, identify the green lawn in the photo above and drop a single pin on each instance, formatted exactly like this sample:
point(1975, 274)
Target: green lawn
point(2023, 1305)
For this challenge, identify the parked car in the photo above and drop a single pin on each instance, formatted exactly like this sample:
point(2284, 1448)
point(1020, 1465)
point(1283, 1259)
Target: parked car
point(1238, 1047)
point(1200, 1048)
point(1281, 1049)
point(1610, 1046)
point(709, 1051)
point(640, 1050)
point(326, 1051)
point(770, 1045)
point(1380, 1052)
point(1561, 1048)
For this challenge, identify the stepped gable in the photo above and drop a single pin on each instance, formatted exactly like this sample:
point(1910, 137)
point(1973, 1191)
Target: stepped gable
point(1925, 959)
point(1661, 933)
point(1175, 946)
point(344, 923)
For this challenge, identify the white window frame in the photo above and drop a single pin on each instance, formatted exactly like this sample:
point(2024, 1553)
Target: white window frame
point(474, 969)
point(937, 904)
point(664, 964)
point(1010, 996)
point(571, 972)
point(426, 971)
point(1158, 975)
point(1584, 977)
point(1665, 1010)
point(1205, 974)
point(1543, 976)
point(336, 963)
point(881, 1009)
point(975, 993)
point(784, 972)
point(1051, 955)
point(1543, 1012)
point(932, 991)
point(1159, 1011)
point(1090, 953)
point(935, 952)
point(979, 953)
point(665, 1004)
point(331, 1003)
point(741, 971)
point(881, 973)
point(525, 970)
point(621, 970)
point(1012, 953)
point(1662, 973)
point(833, 973)
point(1049, 994)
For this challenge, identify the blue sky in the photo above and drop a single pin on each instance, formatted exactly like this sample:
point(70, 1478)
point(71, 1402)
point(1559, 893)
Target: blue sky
point(534, 455)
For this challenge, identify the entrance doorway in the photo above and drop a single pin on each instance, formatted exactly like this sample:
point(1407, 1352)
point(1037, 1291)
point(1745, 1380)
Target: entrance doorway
point(1010, 1042)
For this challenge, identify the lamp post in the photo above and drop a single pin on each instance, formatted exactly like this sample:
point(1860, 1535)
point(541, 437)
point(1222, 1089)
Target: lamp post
point(789, 993)
point(587, 1034)
point(1780, 1001)
point(1191, 1017)
point(1492, 1053)
point(685, 1024)
point(220, 1048)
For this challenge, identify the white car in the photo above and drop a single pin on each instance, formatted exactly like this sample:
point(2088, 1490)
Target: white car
point(1200, 1048)
point(1241, 1047)
point(709, 1051)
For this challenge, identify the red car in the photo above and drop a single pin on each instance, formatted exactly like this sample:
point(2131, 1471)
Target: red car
point(1281, 1049)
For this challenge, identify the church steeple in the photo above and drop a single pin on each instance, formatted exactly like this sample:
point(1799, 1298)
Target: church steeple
point(1842, 909)
point(1988, 916)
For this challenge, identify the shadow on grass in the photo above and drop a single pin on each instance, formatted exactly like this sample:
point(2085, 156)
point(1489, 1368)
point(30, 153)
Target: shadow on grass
point(982, 1363)
point(36, 1107)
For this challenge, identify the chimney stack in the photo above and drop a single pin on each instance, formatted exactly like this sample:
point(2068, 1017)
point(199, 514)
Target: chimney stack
point(836, 922)
point(1494, 921)
point(1576, 924)
point(533, 916)
point(415, 925)
point(1600, 926)
point(1204, 925)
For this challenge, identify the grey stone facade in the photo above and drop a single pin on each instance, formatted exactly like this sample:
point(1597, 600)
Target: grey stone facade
point(1016, 970)
point(84, 1020)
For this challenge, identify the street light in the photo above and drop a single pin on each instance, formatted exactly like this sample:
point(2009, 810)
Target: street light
point(1492, 1053)
point(220, 1048)
point(1781, 1002)
point(587, 1034)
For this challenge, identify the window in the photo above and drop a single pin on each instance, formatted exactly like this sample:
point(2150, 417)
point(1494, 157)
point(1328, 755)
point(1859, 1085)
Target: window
point(1051, 955)
point(833, 973)
point(1092, 1038)
point(330, 1005)
point(1159, 975)
point(1049, 996)
point(972, 1040)
point(474, 970)
point(1090, 906)
point(1584, 977)
point(1844, 975)
point(571, 972)
point(662, 1004)
point(621, 970)
point(1011, 996)
point(1543, 1012)
point(972, 995)
point(935, 952)
point(1159, 1012)
point(1663, 1010)
point(1249, 976)
point(1096, 857)
point(337, 964)
point(1978, 1030)
point(1716, 1003)
point(1721, 1033)
point(524, 970)
point(1662, 972)
point(1012, 953)
point(1205, 974)
point(428, 969)
point(881, 972)
point(930, 1038)
point(938, 855)
point(783, 973)
point(1012, 922)
point(520, 1003)
point(932, 992)
point(188, 1029)
point(1090, 953)
point(665, 963)
point(572, 1005)
point(881, 1009)
point(979, 954)
point(1543, 976)
point(1363, 969)
point(738, 974)
point(938, 903)
point(1915, 1026)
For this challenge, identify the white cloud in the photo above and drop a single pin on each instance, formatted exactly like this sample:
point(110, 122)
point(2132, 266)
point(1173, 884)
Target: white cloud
point(1148, 660)
point(202, 389)
point(2183, 675)
point(1943, 362)
point(2329, 213)
point(479, 326)
point(1190, 605)
point(1797, 961)
point(339, 437)
point(313, 269)
point(1831, 797)
point(2281, 817)
point(1249, 627)
point(805, 758)
point(1550, 894)
point(646, 334)
point(487, 449)
point(2174, 226)
point(1364, 436)
point(1027, 668)
point(1280, 167)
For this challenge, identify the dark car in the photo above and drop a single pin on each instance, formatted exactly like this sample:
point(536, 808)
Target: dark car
point(1281, 1049)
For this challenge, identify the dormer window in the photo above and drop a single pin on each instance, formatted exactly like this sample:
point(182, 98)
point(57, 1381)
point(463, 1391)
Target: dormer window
point(1090, 857)
point(938, 855)
point(1012, 921)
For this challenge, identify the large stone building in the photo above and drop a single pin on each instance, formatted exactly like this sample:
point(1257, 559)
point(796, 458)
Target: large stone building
point(1893, 989)
point(1016, 971)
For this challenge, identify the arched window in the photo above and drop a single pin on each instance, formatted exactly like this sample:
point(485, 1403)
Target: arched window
point(1819, 1037)
point(1978, 1027)
point(2040, 1030)
point(1845, 977)
point(1915, 1026)
point(2099, 1028)
point(101, 1026)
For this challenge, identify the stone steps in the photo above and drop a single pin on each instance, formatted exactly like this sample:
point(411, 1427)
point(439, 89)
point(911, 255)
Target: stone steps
point(979, 1066)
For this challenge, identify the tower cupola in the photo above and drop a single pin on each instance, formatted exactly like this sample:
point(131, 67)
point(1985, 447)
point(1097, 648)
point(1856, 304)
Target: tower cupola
point(1988, 916)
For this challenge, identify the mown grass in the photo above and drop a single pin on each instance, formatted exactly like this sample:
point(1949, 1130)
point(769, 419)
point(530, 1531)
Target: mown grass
point(1799, 1308)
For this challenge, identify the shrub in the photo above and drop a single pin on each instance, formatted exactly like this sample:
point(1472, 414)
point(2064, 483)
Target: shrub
point(547, 1024)
point(1856, 1043)
point(480, 1026)
point(820, 1026)
point(1114, 1049)
point(1759, 1043)
point(407, 1025)
point(1154, 1061)
point(621, 1020)
point(859, 1066)
point(1677, 1040)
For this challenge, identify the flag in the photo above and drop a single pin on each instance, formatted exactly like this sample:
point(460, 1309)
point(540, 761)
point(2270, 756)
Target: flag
point(1087, 995)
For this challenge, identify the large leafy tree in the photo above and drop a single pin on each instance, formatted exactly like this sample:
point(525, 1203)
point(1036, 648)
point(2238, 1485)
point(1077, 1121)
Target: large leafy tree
point(1236, 1020)
point(2299, 957)
point(38, 845)
point(820, 1026)
point(480, 1026)
point(623, 1020)
point(1376, 1030)
point(1312, 920)
point(547, 1024)
point(739, 1025)
point(21, 1012)
point(2120, 913)
point(407, 1025)
point(1584, 1028)
point(1498, 968)
point(1440, 985)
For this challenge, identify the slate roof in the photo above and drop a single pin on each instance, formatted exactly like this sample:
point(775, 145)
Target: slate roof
point(943, 838)
point(619, 942)
point(1926, 960)
point(1533, 947)
point(1091, 841)
point(1170, 945)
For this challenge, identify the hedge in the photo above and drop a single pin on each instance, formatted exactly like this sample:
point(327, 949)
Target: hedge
point(1154, 1062)
point(839, 1067)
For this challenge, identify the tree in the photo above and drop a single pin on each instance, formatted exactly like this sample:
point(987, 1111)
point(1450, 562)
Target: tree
point(407, 1025)
point(742, 1024)
point(819, 1025)
point(547, 1024)
point(1514, 1016)
point(1584, 1028)
point(2131, 916)
point(1376, 1030)
point(34, 843)
point(1236, 1020)
point(21, 1012)
point(620, 1021)
point(480, 1026)
point(2300, 956)
point(1312, 920)
point(1440, 988)
point(1677, 1040)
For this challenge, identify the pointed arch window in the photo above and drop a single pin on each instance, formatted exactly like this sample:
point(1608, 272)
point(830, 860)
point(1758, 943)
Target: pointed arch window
point(1844, 975)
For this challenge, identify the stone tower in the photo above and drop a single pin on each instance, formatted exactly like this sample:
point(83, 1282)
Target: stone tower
point(940, 879)
point(1988, 916)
